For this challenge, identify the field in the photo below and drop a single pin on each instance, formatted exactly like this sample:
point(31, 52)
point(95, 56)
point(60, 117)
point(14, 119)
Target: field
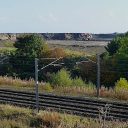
point(90, 47)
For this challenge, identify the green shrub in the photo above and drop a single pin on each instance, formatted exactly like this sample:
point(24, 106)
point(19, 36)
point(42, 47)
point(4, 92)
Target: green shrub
point(7, 51)
point(73, 53)
point(8, 44)
point(47, 87)
point(78, 82)
point(61, 78)
point(121, 84)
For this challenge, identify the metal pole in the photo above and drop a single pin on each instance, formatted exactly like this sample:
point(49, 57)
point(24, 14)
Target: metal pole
point(98, 74)
point(36, 84)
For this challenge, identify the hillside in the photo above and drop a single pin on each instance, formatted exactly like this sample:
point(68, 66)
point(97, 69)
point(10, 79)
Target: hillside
point(64, 36)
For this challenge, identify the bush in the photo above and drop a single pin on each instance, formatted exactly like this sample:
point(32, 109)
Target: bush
point(47, 87)
point(121, 94)
point(61, 78)
point(7, 51)
point(57, 52)
point(121, 84)
point(78, 82)
point(8, 44)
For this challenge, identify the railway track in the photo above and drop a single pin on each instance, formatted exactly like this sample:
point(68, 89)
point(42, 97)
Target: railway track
point(75, 105)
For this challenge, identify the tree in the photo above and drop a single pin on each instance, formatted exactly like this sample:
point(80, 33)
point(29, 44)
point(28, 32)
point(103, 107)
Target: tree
point(29, 47)
point(116, 64)
point(113, 46)
point(123, 49)
point(118, 46)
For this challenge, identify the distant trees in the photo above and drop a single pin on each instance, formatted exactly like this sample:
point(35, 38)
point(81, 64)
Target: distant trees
point(113, 46)
point(31, 45)
point(118, 46)
point(116, 62)
point(28, 47)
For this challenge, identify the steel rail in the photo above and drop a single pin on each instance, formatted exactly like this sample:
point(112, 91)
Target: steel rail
point(75, 105)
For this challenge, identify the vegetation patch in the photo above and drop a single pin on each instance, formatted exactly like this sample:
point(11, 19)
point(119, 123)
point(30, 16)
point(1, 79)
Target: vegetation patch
point(16, 117)
point(71, 89)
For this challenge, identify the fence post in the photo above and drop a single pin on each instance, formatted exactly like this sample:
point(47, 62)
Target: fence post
point(36, 84)
point(98, 75)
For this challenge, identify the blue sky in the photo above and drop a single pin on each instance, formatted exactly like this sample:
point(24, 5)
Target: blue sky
point(93, 16)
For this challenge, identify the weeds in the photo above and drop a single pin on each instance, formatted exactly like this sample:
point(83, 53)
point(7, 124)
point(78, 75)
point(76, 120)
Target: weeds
point(45, 119)
point(16, 83)
point(83, 89)
point(75, 91)
point(104, 115)
point(50, 119)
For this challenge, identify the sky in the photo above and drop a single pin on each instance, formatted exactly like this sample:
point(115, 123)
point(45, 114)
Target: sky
point(63, 16)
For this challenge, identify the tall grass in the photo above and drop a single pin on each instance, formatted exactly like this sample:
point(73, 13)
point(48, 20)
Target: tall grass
point(17, 83)
point(88, 89)
point(16, 117)
point(73, 53)
point(6, 43)
point(7, 50)
point(76, 90)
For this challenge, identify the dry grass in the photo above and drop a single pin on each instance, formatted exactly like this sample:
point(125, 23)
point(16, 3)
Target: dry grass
point(75, 91)
point(74, 53)
point(6, 123)
point(24, 118)
point(91, 92)
point(86, 46)
point(87, 90)
point(18, 84)
point(50, 119)
point(121, 94)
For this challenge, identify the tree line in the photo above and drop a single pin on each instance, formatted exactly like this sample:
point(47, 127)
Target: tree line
point(114, 62)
